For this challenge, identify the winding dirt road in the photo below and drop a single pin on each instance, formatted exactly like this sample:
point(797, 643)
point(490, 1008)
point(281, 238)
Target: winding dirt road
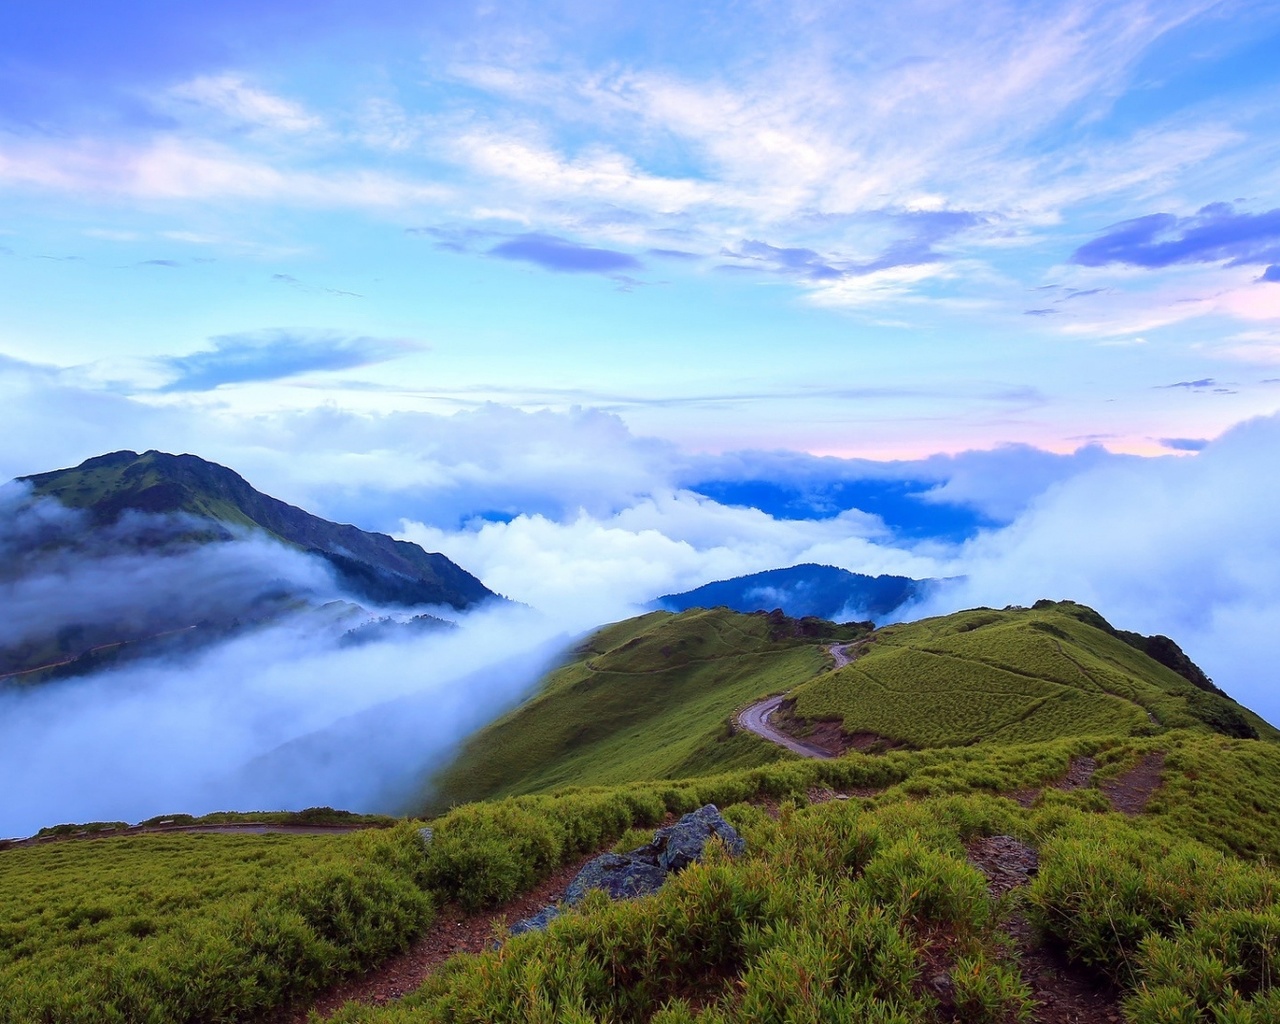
point(840, 652)
point(756, 717)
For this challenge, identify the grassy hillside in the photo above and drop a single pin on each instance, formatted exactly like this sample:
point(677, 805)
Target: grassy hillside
point(651, 697)
point(875, 888)
point(844, 909)
point(1014, 676)
point(648, 698)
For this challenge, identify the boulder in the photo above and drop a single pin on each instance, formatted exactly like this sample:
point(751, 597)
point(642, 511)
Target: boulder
point(679, 845)
point(624, 876)
point(620, 875)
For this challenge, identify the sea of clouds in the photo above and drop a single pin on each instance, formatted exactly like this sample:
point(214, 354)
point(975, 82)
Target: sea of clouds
point(576, 518)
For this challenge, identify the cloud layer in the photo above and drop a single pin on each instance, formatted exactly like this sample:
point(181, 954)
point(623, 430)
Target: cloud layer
point(583, 521)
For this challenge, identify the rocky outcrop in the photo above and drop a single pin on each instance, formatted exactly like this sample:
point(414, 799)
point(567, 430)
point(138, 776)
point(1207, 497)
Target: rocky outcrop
point(621, 876)
point(642, 871)
point(537, 923)
point(679, 845)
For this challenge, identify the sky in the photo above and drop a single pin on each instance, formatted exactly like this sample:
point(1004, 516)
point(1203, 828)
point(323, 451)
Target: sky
point(610, 300)
point(857, 229)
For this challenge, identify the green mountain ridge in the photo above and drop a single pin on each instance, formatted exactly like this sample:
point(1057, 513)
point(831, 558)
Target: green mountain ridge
point(186, 505)
point(374, 565)
point(653, 697)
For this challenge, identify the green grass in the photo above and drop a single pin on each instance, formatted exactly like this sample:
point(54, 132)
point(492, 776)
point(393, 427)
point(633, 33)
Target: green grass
point(212, 928)
point(649, 698)
point(87, 488)
point(836, 912)
point(828, 917)
point(1012, 676)
point(198, 927)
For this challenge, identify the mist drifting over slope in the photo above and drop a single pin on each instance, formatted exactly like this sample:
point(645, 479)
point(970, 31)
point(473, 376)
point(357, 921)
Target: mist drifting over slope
point(285, 713)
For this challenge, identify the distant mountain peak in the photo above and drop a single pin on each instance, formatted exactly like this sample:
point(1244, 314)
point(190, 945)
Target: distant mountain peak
point(825, 591)
point(372, 565)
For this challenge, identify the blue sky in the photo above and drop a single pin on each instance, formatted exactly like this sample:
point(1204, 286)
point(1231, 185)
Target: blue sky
point(860, 229)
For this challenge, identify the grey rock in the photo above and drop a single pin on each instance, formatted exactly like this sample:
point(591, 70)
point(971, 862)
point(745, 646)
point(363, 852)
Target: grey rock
point(679, 845)
point(621, 876)
point(538, 922)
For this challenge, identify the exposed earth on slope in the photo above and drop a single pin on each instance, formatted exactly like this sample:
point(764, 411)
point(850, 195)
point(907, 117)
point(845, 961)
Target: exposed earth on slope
point(1130, 792)
point(1064, 993)
point(453, 931)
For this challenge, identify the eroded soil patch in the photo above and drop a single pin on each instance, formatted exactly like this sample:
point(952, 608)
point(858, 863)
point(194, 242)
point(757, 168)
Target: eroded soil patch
point(452, 932)
point(1007, 862)
point(829, 735)
point(1063, 992)
point(1131, 792)
point(1079, 773)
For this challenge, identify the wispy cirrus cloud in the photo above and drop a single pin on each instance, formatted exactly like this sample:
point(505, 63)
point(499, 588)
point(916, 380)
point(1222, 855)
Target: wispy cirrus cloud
point(912, 250)
point(550, 252)
point(276, 355)
point(173, 168)
point(231, 96)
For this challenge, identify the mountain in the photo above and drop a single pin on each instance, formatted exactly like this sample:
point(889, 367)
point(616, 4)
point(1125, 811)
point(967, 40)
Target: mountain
point(819, 590)
point(372, 565)
point(654, 697)
point(1021, 814)
point(147, 557)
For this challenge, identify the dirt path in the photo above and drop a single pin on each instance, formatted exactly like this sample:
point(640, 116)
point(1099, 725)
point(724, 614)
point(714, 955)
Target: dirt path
point(1063, 992)
point(231, 828)
point(756, 717)
point(1079, 772)
point(452, 932)
point(1130, 793)
point(72, 659)
point(841, 653)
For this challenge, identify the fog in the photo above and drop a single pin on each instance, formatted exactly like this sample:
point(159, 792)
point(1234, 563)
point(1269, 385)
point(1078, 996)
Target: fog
point(1187, 546)
point(284, 714)
point(140, 573)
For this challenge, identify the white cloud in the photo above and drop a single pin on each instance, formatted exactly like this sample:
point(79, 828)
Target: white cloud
point(232, 96)
point(1188, 547)
point(603, 566)
point(599, 174)
point(172, 168)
